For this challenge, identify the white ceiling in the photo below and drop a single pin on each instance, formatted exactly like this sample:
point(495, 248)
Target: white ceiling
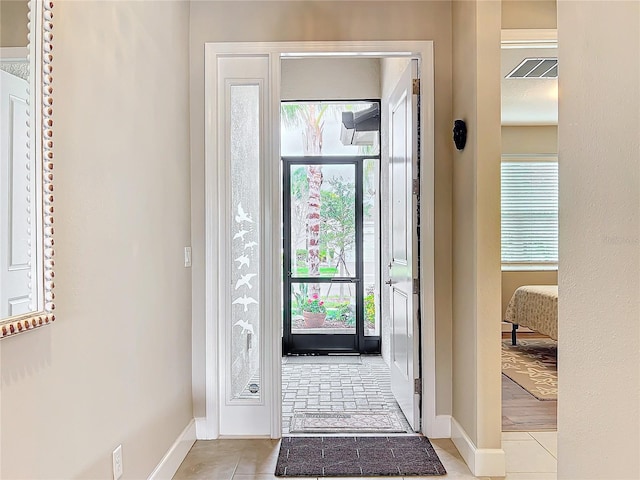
point(528, 101)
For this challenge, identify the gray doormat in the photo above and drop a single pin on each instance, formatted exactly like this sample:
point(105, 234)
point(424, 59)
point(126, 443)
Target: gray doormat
point(357, 457)
point(323, 359)
point(345, 421)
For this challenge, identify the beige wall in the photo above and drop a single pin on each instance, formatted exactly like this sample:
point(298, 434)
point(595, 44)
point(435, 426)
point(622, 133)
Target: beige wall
point(476, 223)
point(599, 278)
point(528, 14)
point(13, 23)
point(115, 367)
point(530, 139)
point(330, 78)
point(329, 21)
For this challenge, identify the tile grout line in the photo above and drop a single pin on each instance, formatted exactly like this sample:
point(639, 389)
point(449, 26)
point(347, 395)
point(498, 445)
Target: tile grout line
point(235, 469)
point(539, 443)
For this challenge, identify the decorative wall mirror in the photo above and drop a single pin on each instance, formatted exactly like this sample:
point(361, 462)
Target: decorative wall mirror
point(26, 166)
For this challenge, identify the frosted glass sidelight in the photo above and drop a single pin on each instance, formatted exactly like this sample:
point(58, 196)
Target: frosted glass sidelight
point(244, 288)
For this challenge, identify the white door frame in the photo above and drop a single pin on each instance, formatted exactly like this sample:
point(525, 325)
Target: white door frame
point(421, 50)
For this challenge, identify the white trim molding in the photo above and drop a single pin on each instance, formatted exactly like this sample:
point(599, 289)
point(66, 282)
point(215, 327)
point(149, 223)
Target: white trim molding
point(483, 462)
point(529, 38)
point(202, 431)
point(171, 461)
point(440, 427)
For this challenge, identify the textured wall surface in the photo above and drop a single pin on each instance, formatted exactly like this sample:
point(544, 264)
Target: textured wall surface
point(599, 274)
point(528, 13)
point(115, 367)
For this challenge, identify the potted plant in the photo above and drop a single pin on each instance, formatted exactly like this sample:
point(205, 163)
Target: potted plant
point(314, 312)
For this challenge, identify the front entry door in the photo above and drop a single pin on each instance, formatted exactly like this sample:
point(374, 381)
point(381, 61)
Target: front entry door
point(323, 256)
point(403, 266)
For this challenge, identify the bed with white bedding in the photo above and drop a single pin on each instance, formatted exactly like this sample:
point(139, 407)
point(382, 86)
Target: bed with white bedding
point(534, 307)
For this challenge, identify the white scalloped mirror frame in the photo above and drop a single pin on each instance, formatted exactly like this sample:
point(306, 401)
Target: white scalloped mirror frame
point(40, 126)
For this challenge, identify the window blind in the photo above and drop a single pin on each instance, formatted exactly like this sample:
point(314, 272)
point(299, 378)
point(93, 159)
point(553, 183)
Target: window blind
point(529, 211)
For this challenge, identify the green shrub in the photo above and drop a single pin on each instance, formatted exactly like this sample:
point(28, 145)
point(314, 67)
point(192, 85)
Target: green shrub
point(370, 309)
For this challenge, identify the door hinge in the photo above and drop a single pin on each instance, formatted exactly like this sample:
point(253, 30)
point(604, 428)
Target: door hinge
point(417, 386)
point(416, 186)
point(416, 286)
point(416, 86)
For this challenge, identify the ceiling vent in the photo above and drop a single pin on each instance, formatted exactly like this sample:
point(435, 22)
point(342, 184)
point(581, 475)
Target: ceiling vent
point(535, 68)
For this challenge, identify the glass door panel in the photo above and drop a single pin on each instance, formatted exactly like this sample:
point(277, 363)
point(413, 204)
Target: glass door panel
point(314, 128)
point(330, 311)
point(325, 306)
point(323, 220)
point(371, 245)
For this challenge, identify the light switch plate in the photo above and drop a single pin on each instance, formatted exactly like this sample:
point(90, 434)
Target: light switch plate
point(117, 463)
point(187, 257)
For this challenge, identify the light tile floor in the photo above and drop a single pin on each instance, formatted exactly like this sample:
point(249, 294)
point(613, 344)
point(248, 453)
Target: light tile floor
point(527, 459)
point(361, 384)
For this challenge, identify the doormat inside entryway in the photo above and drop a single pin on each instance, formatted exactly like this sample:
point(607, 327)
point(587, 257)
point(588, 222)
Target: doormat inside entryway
point(383, 421)
point(357, 457)
point(323, 359)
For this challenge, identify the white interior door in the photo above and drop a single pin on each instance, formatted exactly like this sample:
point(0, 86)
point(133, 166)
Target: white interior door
point(403, 266)
point(16, 220)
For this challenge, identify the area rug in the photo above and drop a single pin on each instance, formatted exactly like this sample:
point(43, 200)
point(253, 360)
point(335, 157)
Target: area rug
point(533, 365)
point(357, 457)
point(345, 422)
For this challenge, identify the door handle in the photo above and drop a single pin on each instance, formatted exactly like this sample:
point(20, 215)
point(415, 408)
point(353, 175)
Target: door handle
point(388, 282)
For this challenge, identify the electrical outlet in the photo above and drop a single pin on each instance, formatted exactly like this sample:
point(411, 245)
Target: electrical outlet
point(117, 463)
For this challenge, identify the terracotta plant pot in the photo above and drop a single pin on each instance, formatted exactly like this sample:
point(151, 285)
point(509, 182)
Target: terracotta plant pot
point(313, 320)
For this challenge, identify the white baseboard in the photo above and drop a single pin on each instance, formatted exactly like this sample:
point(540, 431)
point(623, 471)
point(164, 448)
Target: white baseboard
point(169, 464)
point(440, 428)
point(202, 431)
point(483, 462)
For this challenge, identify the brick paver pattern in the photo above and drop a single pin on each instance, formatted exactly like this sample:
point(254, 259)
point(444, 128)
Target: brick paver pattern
point(319, 384)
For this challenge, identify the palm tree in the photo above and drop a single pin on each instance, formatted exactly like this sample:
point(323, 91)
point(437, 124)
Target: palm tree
point(311, 117)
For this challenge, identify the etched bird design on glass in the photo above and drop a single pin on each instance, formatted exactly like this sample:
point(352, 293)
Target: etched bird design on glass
point(250, 245)
point(243, 261)
point(241, 234)
point(245, 302)
point(242, 216)
point(246, 326)
point(244, 280)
